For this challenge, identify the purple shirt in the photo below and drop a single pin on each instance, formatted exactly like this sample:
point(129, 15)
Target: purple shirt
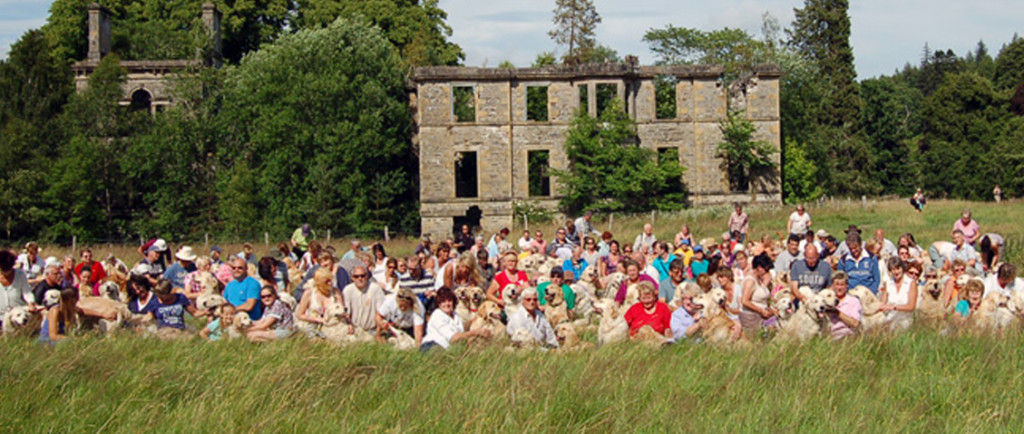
point(850, 306)
point(621, 295)
point(970, 230)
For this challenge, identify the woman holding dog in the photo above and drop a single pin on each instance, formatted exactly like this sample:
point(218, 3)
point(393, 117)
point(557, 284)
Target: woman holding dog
point(649, 312)
point(899, 295)
point(754, 308)
point(59, 317)
point(312, 308)
point(445, 327)
point(846, 315)
point(402, 311)
point(510, 275)
point(277, 320)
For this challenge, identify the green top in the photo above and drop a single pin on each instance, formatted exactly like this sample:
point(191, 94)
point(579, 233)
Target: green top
point(301, 240)
point(570, 297)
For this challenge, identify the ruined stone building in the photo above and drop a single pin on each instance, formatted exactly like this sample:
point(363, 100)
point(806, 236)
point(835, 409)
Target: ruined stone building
point(147, 85)
point(486, 136)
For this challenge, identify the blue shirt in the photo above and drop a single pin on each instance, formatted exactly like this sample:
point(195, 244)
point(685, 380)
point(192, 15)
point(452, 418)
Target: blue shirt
point(577, 270)
point(237, 293)
point(662, 266)
point(862, 271)
point(698, 267)
point(681, 320)
point(169, 315)
point(176, 274)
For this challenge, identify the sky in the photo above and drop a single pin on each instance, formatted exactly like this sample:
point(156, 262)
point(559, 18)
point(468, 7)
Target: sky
point(886, 34)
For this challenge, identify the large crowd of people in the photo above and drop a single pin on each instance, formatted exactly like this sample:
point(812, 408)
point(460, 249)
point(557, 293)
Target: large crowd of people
point(470, 289)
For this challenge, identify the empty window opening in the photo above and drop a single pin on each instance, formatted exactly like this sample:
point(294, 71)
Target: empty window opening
point(538, 163)
point(141, 100)
point(584, 91)
point(606, 93)
point(465, 174)
point(668, 155)
point(472, 219)
point(537, 103)
point(665, 96)
point(464, 103)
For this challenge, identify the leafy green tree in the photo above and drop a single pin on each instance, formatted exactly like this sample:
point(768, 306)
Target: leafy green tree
point(34, 86)
point(89, 194)
point(546, 58)
point(575, 23)
point(892, 119)
point(321, 118)
point(801, 179)
point(961, 120)
point(734, 49)
point(609, 171)
point(821, 33)
point(416, 28)
point(742, 157)
point(1009, 69)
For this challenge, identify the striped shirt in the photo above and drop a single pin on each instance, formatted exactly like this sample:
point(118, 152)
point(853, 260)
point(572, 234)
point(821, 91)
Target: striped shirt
point(425, 283)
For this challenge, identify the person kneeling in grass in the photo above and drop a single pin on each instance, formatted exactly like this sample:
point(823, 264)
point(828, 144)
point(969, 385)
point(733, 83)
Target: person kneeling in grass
point(277, 320)
point(65, 313)
point(169, 310)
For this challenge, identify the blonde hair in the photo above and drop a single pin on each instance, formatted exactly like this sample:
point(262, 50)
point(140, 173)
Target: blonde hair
point(321, 281)
point(973, 285)
point(646, 287)
point(466, 269)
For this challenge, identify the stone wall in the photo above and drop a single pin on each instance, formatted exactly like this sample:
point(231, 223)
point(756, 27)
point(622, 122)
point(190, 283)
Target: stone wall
point(502, 136)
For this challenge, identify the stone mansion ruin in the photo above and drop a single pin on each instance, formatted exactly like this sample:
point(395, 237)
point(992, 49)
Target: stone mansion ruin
point(486, 136)
point(147, 85)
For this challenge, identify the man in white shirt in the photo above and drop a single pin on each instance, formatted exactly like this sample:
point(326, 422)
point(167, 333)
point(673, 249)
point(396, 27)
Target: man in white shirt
point(584, 227)
point(799, 221)
point(645, 240)
point(1004, 281)
point(532, 320)
point(363, 298)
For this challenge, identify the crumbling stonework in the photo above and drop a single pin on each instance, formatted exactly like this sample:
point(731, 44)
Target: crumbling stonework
point(148, 82)
point(502, 136)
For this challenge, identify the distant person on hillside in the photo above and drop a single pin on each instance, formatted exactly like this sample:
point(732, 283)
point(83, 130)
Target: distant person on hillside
point(739, 224)
point(968, 226)
point(997, 193)
point(300, 239)
point(799, 222)
point(918, 200)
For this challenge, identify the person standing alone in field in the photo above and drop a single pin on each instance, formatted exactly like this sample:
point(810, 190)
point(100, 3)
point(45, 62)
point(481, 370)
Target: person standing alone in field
point(739, 224)
point(997, 193)
point(799, 222)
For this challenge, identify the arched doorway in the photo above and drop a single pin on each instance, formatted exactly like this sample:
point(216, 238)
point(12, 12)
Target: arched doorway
point(472, 218)
point(141, 100)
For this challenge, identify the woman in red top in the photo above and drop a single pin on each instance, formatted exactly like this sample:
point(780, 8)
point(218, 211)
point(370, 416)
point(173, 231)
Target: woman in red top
point(509, 275)
point(649, 312)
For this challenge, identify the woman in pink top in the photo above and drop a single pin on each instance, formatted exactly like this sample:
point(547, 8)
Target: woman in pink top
point(845, 318)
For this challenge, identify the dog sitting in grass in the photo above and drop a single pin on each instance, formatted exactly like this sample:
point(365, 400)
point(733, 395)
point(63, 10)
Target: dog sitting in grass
point(488, 316)
point(613, 327)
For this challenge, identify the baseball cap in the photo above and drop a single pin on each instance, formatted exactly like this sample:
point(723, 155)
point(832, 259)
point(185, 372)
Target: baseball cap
point(217, 249)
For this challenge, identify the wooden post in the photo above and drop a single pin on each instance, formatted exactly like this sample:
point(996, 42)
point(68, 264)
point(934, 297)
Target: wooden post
point(207, 238)
point(266, 238)
point(611, 218)
point(74, 241)
point(526, 222)
point(386, 237)
point(652, 216)
point(328, 236)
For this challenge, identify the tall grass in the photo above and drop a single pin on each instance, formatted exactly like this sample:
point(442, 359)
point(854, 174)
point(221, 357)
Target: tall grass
point(915, 382)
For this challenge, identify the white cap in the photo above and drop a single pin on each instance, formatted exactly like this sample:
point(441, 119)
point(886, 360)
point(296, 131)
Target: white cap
point(160, 245)
point(185, 253)
point(141, 269)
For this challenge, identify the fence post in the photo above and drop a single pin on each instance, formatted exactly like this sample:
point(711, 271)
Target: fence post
point(386, 237)
point(266, 238)
point(652, 216)
point(206, 236)
point(328, 236)
point(611, 218)
point(74, 240)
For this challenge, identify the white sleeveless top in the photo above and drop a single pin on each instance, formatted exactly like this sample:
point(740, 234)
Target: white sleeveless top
point(760, 296)
point(898, 294)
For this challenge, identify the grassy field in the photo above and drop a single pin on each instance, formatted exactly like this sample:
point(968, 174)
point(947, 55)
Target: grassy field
point(895, 217)
point(916, 382)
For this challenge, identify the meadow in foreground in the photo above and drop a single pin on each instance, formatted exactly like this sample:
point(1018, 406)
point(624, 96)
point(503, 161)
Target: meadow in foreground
point(916, 382)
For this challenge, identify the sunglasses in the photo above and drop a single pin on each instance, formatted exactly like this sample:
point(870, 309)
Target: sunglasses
point(530, 299)
point(266, 295)
point(358, 276)
point(239, 268)
point(405, 297)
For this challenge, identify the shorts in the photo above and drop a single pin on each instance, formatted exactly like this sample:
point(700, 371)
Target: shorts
point(282, 333)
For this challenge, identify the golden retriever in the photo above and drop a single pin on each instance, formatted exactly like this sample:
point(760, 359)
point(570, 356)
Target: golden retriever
point(613, 327)
point(568, 340)
point(555, 308)
point(488, 316)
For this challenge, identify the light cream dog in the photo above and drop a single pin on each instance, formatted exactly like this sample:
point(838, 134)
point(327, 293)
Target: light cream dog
point(555, 308)
point(489, 317)
point(568, 340)
point(613, 327)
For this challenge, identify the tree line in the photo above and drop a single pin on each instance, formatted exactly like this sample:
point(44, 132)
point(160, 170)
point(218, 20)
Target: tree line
point(310, 121)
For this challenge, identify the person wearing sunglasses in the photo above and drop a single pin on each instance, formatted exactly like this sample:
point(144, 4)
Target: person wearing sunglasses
point(243, 291)
point(403, 311)
point(531, 319)
point(363, 298)
point(278, 321)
